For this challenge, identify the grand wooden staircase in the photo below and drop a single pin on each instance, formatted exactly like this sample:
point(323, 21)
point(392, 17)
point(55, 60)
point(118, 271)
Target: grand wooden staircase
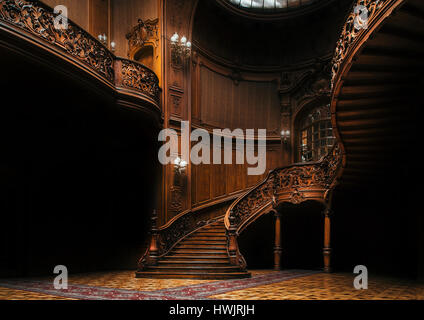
point(202, 254)
point(376, 79)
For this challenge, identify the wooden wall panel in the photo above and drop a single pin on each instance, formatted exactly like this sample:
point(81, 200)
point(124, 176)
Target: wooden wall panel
point(78, 10)
point(125, 14)
point(99, 17)
point(246, 105)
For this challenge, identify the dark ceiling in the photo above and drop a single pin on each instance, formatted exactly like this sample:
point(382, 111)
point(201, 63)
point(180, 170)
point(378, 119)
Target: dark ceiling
point(281, 43)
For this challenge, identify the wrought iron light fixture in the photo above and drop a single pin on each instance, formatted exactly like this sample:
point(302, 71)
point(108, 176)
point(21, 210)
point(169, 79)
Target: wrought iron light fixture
point(180, 49)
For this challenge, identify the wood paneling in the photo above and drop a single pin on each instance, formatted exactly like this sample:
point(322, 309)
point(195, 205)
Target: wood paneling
point(213, 181)
point(246, 104)
point(99, 18)
point(78, 10)
point(125, 14)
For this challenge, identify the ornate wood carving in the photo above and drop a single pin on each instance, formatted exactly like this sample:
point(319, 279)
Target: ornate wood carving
point(165, 238)
point(138, 77)
point(38, 19)
point(288, 184)
point(144, 33)
point(350, 34)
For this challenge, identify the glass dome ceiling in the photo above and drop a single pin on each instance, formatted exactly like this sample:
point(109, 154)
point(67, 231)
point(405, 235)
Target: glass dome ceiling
point(271, 5)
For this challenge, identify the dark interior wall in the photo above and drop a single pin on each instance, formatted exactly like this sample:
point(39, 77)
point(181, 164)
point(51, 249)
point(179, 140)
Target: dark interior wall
point(78, 174)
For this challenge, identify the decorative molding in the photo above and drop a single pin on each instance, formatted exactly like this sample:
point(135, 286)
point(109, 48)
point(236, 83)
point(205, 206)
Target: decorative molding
point(38, 19)
point(350, 35)
point(138, 77)
point(295, 184)
point(81, 49)
point(143, 34)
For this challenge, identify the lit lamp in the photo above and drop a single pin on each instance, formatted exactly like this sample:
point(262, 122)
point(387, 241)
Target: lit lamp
point(113, 46)
point(179, 169)
point(180, 165)
point(180, 49)
point(102, 38)
point(285, 135)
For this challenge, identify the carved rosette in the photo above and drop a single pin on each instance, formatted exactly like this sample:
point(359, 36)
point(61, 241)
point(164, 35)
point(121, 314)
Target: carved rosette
point(350, 34)
point(38, 20)
point(138, 77)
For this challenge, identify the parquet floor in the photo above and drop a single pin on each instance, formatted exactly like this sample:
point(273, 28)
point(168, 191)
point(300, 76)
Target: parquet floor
point(316, 286)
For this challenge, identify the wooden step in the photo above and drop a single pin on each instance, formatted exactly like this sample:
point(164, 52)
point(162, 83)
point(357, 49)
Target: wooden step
point(207, 238)
point(201, 247)
point(192, 275)
point(193, 263)
point(199, 252)
point(197, 256)
point(205, 269)
point(200, 242)
point(209, 233)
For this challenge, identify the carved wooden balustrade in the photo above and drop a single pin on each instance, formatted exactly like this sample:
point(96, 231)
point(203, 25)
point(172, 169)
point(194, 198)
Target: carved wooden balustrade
point(293, 184)
point(162, 240)
point(354, 32)
point(33, 21)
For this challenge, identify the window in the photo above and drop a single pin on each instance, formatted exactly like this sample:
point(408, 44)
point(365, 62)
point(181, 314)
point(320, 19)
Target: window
point(270, 4)
point(316, 134)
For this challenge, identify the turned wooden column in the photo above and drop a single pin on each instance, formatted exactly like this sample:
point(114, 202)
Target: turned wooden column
point(277, 245)
point(327, 240)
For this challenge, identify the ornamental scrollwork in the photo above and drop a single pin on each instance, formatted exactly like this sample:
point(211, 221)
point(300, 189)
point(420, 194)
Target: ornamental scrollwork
point(144, 32)
point(350, 32)
point(38, 19)
point(292, 180)
point(138, 77)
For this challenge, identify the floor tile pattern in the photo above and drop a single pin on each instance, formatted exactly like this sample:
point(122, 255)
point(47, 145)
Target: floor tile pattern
point(264, 285)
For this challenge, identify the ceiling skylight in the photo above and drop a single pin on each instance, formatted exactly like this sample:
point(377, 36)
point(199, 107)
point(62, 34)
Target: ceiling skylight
point(270, 4)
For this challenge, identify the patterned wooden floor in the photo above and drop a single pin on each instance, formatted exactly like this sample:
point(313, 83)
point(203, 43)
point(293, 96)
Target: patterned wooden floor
point(264, 285)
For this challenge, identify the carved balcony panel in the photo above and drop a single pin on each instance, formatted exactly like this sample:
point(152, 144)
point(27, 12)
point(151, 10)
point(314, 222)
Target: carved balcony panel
point(34, 22)
point(137, 77)
point(38, 19)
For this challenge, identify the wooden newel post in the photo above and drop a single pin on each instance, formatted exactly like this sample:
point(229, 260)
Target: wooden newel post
point(153, 251)
point(327, 240)
point(232, 239)
point(277, 246)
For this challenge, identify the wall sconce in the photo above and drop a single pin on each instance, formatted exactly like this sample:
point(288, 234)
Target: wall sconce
point(102, 38)
point(285, 135)
point(113, 46)
point(180, 167)
point(180, 49)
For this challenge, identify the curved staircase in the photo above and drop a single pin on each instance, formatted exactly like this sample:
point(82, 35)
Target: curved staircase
point(200, 255)
point(376, 79)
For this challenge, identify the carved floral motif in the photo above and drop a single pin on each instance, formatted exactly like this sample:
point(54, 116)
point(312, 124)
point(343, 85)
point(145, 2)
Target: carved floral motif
point(319, 175)
point(350, 34)
point(138, 77)
point(38, 19)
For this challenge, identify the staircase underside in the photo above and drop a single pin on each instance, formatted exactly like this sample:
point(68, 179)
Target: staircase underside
point(200, 255)
point(377, 106)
